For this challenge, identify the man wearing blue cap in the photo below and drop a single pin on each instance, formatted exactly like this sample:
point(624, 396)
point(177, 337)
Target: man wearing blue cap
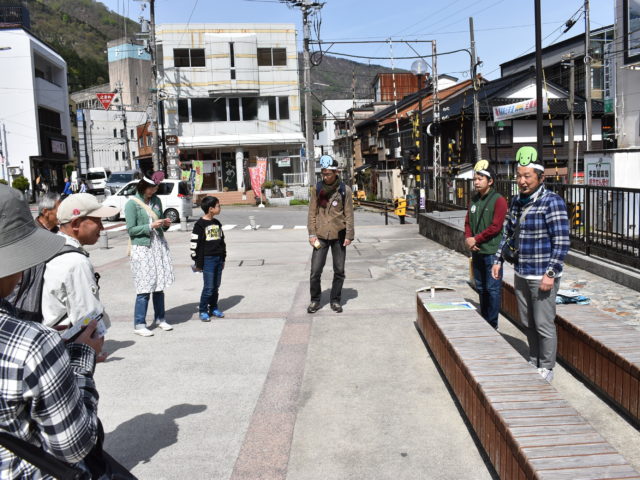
point(330, 225)
point(535, 240)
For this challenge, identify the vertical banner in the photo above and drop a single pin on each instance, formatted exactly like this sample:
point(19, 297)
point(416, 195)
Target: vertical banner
point(198, 166)
point(254, 175)
point(262, 169)
point(185, 175)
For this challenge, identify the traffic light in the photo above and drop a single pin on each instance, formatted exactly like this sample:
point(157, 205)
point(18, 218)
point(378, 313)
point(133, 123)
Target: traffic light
point(410, 161)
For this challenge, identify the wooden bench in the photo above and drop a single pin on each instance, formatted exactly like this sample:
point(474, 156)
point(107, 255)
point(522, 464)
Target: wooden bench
point(597, 347)
point(527, 430)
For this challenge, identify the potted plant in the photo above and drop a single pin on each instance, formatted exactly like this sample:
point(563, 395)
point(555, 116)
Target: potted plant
point(266, 188)
point(21, 183)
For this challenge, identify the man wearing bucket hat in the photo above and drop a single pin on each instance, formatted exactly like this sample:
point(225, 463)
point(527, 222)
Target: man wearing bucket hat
point(70, 288)
point(483, 232)
point(330, 225)
point(536, 239)
point(53, 405)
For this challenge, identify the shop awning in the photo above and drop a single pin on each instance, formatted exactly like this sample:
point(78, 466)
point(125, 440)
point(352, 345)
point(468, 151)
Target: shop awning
point(208, 141)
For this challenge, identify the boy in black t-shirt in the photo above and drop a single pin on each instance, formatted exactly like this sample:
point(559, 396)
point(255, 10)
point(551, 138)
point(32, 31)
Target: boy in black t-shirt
point(209, 252)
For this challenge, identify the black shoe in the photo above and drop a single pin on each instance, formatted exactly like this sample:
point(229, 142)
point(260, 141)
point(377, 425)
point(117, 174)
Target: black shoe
point(336, 307)
point(313, 307)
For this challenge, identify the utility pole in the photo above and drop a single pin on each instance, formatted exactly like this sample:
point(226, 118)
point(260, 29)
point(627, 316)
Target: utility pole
point(125, 137)
point(436, 119)
point(570, 104)
point(154, 88)
point(476, 106)
point(539, 99)
point(587, 71)
point(306, 7)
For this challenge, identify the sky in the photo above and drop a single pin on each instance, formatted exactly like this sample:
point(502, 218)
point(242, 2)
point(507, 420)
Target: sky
point(504, 29)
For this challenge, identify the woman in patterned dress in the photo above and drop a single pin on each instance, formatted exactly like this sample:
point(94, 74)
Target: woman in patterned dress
point(150, 257)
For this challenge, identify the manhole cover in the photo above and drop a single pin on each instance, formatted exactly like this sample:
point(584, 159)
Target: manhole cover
point(252, 263)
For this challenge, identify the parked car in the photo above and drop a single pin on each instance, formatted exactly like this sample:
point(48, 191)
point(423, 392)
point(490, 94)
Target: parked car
point(175, 195)
point(117, 180)
point(97, 179)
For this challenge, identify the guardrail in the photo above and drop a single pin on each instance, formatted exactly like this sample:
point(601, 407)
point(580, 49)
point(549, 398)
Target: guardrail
point(604, 221)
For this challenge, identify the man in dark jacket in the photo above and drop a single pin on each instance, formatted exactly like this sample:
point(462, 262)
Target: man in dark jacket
point(483, 232)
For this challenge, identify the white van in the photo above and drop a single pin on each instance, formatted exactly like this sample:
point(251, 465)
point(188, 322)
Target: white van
point(175, 196)
point(97, 180)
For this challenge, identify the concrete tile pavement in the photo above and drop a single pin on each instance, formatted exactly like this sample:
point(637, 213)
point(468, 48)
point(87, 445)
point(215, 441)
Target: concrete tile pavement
point(270, 391)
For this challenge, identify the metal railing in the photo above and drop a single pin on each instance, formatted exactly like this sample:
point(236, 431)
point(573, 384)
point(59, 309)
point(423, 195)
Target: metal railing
point(295, 178)
point(603, 221)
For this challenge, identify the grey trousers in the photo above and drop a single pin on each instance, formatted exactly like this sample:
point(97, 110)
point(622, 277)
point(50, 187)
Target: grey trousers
point(537, 311)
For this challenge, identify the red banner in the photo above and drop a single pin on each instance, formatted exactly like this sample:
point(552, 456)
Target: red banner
point(105, 99)
point(256, 184)
point(262, 169)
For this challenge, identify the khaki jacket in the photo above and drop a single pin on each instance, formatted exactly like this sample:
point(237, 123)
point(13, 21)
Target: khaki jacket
point(326, 223)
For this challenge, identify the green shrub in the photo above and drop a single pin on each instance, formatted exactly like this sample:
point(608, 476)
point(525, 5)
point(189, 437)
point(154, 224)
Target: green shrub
point(295, 201)
point(371, 197)
point(268, 184)
point(20, 183)
point(280, 184)
point(3, 181)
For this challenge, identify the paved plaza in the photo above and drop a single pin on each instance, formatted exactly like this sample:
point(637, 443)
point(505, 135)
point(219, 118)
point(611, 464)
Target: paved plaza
point(271, 392)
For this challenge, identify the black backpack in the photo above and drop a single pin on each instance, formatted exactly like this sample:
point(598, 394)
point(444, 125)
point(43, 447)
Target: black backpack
point(26, 298)
point(341, 189)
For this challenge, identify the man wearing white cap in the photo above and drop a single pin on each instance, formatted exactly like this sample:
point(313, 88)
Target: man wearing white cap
point(330, 226)
point(535, 240)
point(70, 289)
point(49, 398)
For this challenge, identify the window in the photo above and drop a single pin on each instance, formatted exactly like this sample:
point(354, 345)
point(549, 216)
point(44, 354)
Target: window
point(208, 110)
point(232, 61)
point(272, 57)
point(122, 133)
point(131, 134)
point(278, 108)
point(183, 110)
point(115, 133)
point(117, 155)
point(283, 108)
point(558, 133)
point(234, 109)
point(188, 57)
point(165, 188)
point(137, 99)
point(500, 134)
point(250, 108)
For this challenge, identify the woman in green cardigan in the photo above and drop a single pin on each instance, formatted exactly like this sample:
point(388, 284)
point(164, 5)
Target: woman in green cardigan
point(150, 257)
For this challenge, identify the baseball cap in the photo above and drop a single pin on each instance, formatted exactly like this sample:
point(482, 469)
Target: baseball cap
point(22, 243)
point(83, 205)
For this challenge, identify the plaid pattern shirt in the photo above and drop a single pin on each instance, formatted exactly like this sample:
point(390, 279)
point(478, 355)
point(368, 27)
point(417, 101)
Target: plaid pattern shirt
point(47, 394)
point(544, 235)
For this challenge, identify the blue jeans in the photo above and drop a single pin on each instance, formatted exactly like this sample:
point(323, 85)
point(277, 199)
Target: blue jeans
point(489, 289)
point(212, 277)
point(142, 303)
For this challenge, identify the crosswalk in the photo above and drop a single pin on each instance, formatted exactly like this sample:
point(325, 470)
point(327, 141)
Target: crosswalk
point(121, 226)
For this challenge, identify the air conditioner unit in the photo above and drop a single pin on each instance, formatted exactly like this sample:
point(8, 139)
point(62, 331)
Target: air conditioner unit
point(15, 171)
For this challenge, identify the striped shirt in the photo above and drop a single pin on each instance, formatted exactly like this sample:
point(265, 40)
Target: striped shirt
point(544, 235)
point(47, 394)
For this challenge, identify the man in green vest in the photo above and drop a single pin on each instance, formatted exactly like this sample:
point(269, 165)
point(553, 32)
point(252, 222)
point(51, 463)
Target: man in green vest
point(483, 232)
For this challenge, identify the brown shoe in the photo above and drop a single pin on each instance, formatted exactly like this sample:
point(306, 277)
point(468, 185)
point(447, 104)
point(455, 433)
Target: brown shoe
point(336, 307)
point(313, 307)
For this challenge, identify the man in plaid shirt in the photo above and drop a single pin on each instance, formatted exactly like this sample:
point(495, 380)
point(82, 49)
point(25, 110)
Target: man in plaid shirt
point(542, 243)
point(47, 394)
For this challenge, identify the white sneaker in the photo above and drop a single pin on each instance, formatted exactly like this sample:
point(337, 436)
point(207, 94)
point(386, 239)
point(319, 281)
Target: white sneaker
point(165, 326)
point(546, 374)
point(143, 331)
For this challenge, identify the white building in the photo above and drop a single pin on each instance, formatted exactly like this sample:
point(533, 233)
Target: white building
point(35, 127)
point(333, 111)
point(231, 96)
point(620, 167)
point(104, 135)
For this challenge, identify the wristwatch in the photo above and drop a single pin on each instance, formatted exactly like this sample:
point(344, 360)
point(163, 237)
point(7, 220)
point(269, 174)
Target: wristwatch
point(550, 273)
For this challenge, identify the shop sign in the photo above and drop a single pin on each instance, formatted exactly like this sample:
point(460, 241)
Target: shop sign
point(284, 162)
point(58, 147)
